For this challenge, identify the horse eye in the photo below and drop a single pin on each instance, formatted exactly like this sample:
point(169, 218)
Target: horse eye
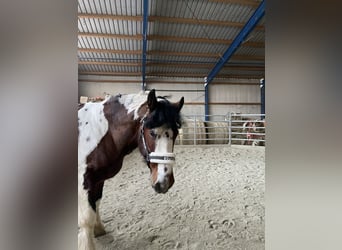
point(152, 133)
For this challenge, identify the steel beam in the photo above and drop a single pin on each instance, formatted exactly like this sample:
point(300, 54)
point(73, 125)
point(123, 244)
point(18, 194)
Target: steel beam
point(249, 26)
point(144, 52)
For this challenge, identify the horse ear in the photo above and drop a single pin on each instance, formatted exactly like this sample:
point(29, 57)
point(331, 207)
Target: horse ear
point(180, 104)
point(152, 100)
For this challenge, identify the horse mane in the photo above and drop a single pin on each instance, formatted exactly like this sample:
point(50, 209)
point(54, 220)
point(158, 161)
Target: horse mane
point(164, 97)
point(165, 113)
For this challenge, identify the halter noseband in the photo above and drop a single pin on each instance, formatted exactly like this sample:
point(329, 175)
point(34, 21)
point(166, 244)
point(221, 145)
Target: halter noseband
point(154, 157)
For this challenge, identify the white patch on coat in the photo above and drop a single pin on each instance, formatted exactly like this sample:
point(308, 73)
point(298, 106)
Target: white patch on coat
point(86, 221)
point(133, 102)
point(164, 144)
point(92, 126)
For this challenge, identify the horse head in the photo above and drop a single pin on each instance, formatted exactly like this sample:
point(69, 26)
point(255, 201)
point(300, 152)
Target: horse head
point(159, 129)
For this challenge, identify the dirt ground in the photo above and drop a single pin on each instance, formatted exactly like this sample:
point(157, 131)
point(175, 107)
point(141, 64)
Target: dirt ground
point(217, 202)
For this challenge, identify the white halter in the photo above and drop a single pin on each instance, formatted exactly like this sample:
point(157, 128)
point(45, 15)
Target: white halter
point(163, 158)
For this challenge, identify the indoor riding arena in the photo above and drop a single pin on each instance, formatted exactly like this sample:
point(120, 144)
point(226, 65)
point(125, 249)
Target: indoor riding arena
point(212, 54)
point(217, 202)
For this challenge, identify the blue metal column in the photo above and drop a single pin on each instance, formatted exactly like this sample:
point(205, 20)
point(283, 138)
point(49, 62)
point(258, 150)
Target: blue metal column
point(262, 92)
point(206, 100)
point(144, 52)
point(249, 26)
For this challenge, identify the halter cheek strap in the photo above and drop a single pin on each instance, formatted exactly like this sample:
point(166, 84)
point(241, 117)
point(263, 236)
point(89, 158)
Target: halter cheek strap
point(155, 157)
point(147, 154)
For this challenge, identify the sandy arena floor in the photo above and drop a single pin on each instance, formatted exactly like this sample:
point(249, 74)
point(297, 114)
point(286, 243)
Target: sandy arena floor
point(217, 202)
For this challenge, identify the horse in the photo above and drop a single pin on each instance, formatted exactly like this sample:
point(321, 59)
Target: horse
point(253, 134)
point(110, 130)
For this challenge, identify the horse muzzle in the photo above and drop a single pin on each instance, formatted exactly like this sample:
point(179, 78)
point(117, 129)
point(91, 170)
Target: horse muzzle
point(162, 178)
point(164, 186)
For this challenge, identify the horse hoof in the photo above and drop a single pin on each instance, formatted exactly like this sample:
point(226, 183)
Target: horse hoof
point(99, 231)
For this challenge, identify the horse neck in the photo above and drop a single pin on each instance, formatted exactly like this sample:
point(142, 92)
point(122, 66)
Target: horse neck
point(125, 130)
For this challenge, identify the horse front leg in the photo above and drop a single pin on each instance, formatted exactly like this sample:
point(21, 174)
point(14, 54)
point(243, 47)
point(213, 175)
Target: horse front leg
point(86, 222)
point(99, 227)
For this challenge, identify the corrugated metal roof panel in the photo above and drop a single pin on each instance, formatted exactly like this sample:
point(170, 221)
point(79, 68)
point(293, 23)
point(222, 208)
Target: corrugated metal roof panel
point(108, 68)
point(250, 51)
point(262, 21)
point(256, 36)
point(182, 59)
point(108, 26)
point(111, 7)
point(109, 43)
point(202, 9)
point(187, 47)
point(97, 57)
point(194, 30)
point(154, 69)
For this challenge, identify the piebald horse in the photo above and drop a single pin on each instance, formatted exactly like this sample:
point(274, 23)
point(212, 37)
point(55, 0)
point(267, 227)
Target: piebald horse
point(108, 131)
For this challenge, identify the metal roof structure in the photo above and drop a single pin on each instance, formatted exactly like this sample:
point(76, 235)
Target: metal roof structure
point(184, 38)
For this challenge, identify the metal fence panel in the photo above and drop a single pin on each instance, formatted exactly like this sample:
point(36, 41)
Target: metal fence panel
point(232, 128)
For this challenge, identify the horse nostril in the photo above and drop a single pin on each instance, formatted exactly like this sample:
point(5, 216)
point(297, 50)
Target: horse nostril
point(157, 187)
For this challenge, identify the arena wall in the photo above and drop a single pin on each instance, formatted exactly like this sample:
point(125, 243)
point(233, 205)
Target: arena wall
point(225, 95)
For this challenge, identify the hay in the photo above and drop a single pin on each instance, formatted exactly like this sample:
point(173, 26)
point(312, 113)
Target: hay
point(217, 132)
point(191, 133)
